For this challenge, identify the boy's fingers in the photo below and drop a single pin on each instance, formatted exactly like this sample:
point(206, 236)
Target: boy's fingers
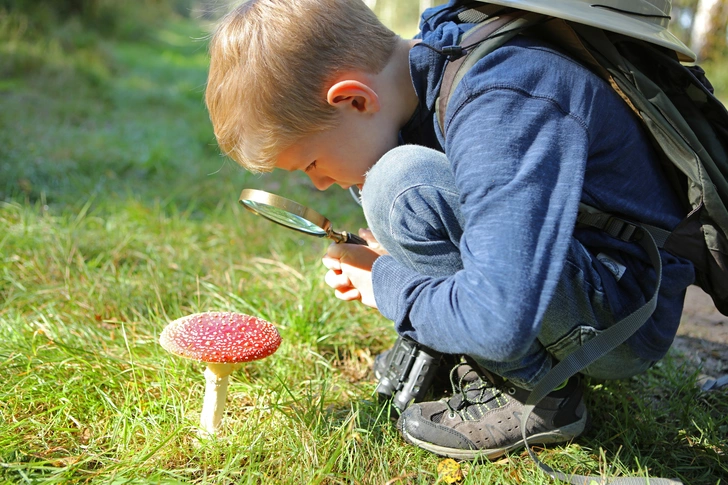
point(368, 236)
point(331, 263)
point(352, 254)
point(372, 242)
point(335, 251)
point(337, 280)
point(348, 295)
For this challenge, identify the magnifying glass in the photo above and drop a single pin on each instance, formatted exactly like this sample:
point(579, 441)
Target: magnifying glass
point(293, 216)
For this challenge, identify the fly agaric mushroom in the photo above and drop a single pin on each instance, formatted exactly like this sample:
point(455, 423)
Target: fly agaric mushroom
point(223, 340)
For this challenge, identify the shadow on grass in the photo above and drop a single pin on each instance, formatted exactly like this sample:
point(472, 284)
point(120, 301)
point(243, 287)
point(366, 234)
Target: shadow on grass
point(659, 424)
point(663, 423)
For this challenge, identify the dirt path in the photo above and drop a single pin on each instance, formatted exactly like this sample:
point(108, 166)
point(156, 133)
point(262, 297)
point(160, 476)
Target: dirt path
point(703, 334)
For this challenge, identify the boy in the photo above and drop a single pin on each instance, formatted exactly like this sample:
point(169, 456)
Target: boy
point(481, 256)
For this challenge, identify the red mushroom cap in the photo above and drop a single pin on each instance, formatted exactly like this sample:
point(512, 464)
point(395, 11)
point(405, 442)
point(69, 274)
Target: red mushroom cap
point(222, 337)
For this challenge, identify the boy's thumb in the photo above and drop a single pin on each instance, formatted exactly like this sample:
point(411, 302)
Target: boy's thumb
point(343, 250)
point(352, 254)
point(335, 250)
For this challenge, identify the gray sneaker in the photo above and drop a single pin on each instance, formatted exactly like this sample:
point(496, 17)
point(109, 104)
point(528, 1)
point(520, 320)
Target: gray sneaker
point(483, 417)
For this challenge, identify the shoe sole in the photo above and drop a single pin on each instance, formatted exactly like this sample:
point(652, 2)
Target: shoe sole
point(558, 435)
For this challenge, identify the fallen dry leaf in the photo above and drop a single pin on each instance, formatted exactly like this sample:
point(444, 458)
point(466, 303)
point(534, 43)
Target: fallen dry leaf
point(448, 471)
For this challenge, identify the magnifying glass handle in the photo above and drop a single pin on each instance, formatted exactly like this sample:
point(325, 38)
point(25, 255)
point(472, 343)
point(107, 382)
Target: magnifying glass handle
point(354, 239)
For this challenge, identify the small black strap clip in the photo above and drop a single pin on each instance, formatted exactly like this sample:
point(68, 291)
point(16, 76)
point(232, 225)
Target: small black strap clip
point(453, 52)
point(623, 230)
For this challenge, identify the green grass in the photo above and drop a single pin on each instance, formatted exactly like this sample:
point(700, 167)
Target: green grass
point(118, 215)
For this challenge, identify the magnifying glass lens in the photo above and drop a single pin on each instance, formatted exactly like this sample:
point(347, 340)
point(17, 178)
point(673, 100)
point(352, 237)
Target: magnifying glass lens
point(285, 218)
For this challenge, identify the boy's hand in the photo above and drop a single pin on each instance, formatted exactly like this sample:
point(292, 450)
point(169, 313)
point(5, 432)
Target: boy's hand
point(350, 272)
point(368, 236)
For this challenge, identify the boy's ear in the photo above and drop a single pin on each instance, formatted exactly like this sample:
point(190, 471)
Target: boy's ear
point(353, 94)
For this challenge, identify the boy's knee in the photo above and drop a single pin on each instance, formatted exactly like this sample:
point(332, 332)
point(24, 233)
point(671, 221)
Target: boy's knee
point(400, 169)
point(410, 185)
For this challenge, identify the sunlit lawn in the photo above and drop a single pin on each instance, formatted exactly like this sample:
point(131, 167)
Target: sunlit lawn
point(119, 216)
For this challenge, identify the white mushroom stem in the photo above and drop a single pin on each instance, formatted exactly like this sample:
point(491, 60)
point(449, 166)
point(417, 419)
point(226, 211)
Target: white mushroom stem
point(216, 384)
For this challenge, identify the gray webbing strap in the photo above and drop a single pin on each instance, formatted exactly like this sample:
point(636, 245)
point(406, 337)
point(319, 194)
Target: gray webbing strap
point(588, 353)
point(616, 227)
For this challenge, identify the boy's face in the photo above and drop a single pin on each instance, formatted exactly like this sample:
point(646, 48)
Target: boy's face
point(342, 155)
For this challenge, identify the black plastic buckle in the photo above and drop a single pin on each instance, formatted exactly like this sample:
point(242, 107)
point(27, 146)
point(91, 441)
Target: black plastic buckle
point(623, 230)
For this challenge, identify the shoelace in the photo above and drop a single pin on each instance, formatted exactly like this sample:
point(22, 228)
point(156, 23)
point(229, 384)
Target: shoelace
point(486, 391)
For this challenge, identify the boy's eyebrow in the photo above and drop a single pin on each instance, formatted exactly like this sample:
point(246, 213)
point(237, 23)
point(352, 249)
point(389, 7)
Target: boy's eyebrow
point(284, 163)
point(278, 166)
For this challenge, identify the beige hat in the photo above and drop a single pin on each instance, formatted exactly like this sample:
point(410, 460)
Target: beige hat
point(642, 19)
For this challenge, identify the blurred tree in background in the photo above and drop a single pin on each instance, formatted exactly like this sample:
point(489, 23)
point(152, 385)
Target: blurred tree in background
point(32, 32)
point(43, 38)
point(699, 23)
point(703, 26)
point(708, 33)
point(106, 17)
point(402, 16)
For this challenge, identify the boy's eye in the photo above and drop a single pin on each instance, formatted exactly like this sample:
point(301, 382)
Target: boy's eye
point(310, 167)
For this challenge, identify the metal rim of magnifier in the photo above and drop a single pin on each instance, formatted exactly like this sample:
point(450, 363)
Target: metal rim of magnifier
point(266, 198)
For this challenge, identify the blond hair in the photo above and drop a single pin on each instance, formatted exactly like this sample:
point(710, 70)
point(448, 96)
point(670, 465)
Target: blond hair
point(270, 61)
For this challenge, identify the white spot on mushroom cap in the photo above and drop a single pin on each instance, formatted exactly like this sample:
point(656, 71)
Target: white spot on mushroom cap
point(223, 337)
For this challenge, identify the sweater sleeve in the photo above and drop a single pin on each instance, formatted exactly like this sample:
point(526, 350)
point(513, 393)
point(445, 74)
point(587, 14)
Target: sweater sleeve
point(519, 162)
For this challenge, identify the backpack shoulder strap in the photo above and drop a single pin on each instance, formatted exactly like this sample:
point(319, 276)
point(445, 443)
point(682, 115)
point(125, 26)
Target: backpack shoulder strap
point(618, 227)
point(485, 37)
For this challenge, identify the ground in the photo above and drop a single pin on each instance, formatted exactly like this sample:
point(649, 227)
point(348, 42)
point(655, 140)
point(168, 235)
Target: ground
point(703, 334)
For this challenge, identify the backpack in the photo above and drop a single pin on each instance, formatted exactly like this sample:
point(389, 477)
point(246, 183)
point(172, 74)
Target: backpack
point(686, 122)
point(688, 127)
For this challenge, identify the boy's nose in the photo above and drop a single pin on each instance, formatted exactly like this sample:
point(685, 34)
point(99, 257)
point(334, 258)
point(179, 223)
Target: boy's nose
point(321, 183)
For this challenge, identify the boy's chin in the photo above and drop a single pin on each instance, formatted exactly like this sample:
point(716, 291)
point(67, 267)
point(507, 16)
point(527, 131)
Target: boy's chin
point(347, 187)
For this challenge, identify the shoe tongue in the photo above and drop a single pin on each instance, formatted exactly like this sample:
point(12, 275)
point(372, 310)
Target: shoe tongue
point(489, 376)
point(474, 389)
point(475, 397)
point(469, 386)
point(467, 374)
point(475, 386)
